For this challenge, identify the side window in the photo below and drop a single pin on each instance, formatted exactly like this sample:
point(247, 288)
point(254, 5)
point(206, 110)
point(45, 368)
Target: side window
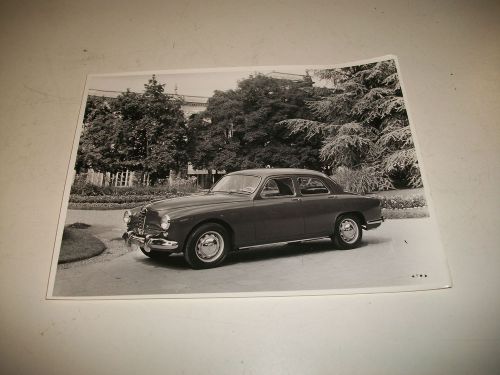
point(278, 187)
point(311, 186)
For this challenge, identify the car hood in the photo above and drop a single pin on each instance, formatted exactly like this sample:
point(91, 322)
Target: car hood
point(196, 200)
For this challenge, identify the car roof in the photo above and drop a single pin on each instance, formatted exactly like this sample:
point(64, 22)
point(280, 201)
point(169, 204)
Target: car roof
point(264, 172)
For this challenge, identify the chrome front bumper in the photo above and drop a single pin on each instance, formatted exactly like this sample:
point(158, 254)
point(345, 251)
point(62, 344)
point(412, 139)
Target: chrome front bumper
point(149, 243)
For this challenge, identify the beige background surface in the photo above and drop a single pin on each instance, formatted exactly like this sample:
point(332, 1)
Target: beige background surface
point(450, 60)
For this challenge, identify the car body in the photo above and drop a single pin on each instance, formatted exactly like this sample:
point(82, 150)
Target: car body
point(252, 208)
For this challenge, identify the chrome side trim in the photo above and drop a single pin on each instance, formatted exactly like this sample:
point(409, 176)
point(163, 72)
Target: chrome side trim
point(378, 221)
point(284, 242)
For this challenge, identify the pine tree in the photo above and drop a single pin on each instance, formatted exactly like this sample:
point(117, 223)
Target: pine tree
point(364, 127)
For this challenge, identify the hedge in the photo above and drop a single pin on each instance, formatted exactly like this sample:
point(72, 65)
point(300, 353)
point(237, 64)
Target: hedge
point(105, 206)
point(110, 202)
point(84, 189)
point(413, 213)
point(399, 202)
point(118, 198)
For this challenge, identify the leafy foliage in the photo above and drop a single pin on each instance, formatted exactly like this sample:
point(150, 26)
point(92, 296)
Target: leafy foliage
point(364, 127)
point(358, 130)
point(87, 196)
point(99, 126)
point(141, 132)
point(400, 202)
point(349, 145)
point(119, 198)
point(361, 180)
point(242, 128)
point(179, 186)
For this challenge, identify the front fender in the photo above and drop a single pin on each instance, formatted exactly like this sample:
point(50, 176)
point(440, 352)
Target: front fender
point(235, 215)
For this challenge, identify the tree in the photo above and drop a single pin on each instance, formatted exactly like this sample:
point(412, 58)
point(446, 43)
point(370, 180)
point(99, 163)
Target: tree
point(364, 125)
point(99, 125)
point(242, 128)
point(143, 132)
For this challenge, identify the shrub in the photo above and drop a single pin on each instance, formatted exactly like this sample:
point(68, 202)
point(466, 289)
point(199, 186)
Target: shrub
point(183, 186)
point(399, 202)
point(119, 198)
point(105, 206)
point(83, 188)
point(414, 213)
point(362, 180)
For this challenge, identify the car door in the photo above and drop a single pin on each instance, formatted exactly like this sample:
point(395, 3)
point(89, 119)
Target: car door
point(318, 206)
point(277, 214)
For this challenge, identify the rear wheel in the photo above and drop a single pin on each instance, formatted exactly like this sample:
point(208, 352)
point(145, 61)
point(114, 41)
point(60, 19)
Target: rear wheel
point(348, 232)
point(207, 246)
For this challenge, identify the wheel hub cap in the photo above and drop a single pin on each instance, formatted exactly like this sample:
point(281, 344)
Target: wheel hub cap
point(209, 246)
point(348, 230)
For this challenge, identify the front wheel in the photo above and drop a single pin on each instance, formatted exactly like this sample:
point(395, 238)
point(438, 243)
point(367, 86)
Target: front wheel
point(348, 232)
point(207, 246)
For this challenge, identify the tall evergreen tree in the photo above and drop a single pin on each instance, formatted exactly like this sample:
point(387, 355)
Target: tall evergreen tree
point(364, 125)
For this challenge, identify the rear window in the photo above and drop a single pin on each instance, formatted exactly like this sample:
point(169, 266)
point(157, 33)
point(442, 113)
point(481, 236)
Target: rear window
point(312, 186)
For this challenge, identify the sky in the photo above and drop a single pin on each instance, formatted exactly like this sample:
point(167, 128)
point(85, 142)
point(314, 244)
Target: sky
point(196, 83)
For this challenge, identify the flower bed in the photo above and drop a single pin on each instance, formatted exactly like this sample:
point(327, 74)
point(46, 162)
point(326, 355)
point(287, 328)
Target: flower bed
point(89, 190)
point(112, 202)
point(119, 198)
point(105, 206)
point(86, 196)
point(407, 213)
point(399, 202)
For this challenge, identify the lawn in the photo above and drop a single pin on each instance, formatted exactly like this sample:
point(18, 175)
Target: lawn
point(399, 192)
point(409, 203)
point(78, 244)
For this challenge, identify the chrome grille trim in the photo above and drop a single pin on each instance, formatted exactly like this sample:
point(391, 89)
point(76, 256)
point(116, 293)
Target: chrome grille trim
point(144, 212)
point(138, 222)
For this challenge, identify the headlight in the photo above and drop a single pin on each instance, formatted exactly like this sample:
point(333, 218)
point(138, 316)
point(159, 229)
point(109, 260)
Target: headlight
point(126, 216)
point(165, 222)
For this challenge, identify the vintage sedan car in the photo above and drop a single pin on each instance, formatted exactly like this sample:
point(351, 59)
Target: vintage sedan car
point(251, 208)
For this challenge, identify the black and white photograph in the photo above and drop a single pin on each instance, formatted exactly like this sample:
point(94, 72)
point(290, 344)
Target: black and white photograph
point(250, 187)
point(240, 182)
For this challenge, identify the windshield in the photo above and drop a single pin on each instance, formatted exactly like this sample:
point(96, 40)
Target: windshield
point(237, 183)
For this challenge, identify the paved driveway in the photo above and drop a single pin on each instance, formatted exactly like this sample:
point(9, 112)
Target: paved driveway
point(400, 252)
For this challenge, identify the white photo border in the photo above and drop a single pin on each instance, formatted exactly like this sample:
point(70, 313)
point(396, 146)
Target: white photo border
point(445, 283)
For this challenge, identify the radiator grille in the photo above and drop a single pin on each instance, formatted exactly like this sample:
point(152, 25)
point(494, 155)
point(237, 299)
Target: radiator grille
point(137, 222)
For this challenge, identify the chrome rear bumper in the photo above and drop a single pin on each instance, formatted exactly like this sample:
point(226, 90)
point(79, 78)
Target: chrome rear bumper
point(149, 243)
point(371, 224)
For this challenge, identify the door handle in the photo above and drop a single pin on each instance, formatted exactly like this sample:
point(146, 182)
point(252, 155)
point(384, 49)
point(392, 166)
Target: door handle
point(296, 199)
point(332, 197)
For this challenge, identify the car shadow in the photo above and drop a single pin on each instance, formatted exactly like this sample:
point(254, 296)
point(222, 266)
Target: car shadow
point(177, 261)
point(293, 250)
point(174, 261)
point(280, 251)
point(374, 241)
